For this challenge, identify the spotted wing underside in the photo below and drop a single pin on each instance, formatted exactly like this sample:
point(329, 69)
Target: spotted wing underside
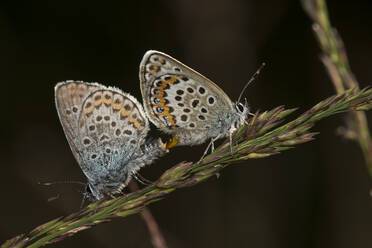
point(112, 126)
point(69, 96)
point(177, 97)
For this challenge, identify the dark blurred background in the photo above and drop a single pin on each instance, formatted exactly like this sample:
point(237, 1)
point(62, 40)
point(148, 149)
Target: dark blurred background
point(316, 195)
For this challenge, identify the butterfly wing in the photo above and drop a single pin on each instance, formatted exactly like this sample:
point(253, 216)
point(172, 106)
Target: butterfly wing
point(180, 101)
point(112, 126)
point(68, 97)
point(114, 120)
point(105, 128)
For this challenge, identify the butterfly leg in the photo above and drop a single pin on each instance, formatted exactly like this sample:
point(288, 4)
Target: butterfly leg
point(120, 194)
point(210, 145)
point(141, 179)
point(111, 195)
point(86, 195)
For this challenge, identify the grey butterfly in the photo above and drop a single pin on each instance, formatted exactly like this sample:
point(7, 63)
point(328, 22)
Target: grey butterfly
point(185, 104)
point(106, 129)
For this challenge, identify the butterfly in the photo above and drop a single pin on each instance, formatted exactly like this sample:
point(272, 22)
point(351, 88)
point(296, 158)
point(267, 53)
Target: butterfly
point(107, 133)
point(184, 103)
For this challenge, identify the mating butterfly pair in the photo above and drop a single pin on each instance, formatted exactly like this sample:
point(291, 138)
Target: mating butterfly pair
point(107, 128)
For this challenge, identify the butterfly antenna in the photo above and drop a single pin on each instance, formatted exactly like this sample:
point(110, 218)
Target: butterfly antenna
point(53, 198)
point(62, 182)
point(255, 75)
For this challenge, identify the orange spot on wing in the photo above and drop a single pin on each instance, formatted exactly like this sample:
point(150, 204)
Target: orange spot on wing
point(162, 102)
point(116, 106)
point(97, 103)
point(154, 69)
point(166, 113)
point(88, 111)
point(136, 124)
point(172, 80)
point(107, 101)
point(125, 112)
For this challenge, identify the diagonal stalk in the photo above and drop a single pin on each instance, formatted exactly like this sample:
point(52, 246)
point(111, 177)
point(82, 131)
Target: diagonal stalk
point(334, 58)
point(263, 136)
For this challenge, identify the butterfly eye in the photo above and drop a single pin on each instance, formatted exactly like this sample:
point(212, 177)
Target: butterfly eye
point(239, 107)
point(236, 124)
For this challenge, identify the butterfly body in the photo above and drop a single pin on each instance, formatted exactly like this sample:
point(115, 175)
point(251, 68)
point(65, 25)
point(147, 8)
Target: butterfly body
point(183, 103)
point(106, 129)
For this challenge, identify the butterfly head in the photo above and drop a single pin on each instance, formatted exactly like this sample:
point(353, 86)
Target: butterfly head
point(242, 110)
point(92, 193)
point(88, 195)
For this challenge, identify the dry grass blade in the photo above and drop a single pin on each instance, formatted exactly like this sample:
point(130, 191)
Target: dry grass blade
point(261, 137)
point(334, 58)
